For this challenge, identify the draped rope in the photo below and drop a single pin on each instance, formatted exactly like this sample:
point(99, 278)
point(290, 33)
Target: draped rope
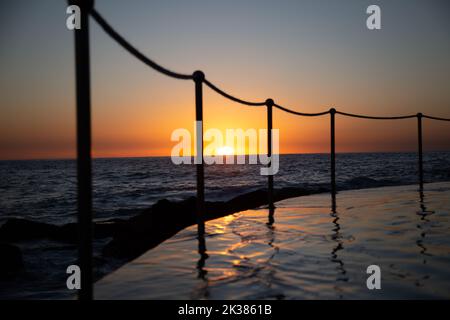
point(149, 62)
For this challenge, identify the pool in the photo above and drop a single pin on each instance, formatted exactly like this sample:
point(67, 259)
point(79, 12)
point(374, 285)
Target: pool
point(305, 250)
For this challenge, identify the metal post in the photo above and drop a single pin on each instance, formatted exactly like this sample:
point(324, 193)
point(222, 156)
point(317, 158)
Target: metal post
point(333, 152)
point(84, 169)
point(199, 77)
point(269, 104)
point(419, 131)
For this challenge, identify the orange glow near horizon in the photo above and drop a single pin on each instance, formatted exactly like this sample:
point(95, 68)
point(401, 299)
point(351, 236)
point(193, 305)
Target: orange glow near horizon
point(132, 124)
point(225, 151)
point(319, 61)
point(135, 138)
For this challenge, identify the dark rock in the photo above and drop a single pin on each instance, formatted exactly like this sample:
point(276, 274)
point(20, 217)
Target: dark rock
point(108, 228)
point(11, 260)
point(21, 229)
point(154, 225)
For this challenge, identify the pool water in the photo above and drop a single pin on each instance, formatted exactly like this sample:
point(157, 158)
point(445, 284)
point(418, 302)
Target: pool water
point(305, 250)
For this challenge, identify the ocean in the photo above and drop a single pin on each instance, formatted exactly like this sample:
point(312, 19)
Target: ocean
point(45, 190)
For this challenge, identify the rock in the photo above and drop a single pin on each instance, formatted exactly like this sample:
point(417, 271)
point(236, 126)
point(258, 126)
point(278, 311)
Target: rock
point(20, 229)
point(148, 229)
point(11, 260)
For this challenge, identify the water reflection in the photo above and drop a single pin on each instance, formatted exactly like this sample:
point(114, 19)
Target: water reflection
point(264, 268)
point(338, 241)
point(203, 291)
point(337, 238)
point(271, 231)
point(422, 226)
point(272, 271)
point(202, 272)
point(271, 217)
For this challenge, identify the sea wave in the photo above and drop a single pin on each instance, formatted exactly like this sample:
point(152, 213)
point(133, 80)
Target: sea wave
point(46, 189)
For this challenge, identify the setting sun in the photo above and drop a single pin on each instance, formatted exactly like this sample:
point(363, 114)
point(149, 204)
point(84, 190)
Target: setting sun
point(225, 151)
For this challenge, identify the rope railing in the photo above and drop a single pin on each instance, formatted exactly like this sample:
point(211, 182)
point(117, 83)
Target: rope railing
point(84, 158)
point(374, 117)
point(132, 50)
point(140, 56)
point(301, 113)
point(233, 98)
point(436, 118)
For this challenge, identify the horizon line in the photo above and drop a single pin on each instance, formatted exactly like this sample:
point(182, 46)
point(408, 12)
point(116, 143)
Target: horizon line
point(168, 156)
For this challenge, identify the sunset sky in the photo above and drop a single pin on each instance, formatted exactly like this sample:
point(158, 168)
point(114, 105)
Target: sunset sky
point(306, 55)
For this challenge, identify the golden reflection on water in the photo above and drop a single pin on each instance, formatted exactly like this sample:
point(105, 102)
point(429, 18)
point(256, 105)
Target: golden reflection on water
point(259, 256)
point(303, 249)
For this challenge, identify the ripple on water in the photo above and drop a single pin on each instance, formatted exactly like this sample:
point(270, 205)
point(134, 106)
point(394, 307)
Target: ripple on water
point(308, 251)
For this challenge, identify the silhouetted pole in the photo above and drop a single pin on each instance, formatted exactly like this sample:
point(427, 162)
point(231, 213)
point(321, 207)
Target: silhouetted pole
point(333, 152)
point(419, 131)
point(199, 77)
point(269, 104)
point(84, 170)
